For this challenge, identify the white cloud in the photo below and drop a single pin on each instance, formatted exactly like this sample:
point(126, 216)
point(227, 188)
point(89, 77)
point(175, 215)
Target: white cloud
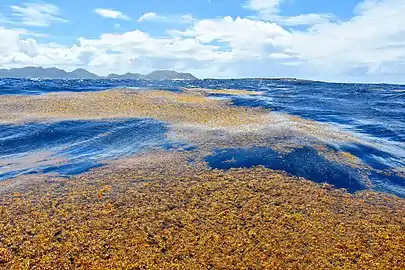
point(130, 51)
point(154, 17)
point(187, 18)
point(112, 14)
point(270, 10)
point(304, 19)
point(264, 6)
point(16, 51)
point(137, 44)
point(37, 14)
point(245, 38)
point(150, 16)
point(373, 38)
point(365, 5)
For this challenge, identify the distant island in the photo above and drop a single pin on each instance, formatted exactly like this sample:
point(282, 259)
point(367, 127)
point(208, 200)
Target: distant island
point(56, 73)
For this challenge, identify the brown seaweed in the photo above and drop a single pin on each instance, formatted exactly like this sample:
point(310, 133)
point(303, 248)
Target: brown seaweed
point(156, 212)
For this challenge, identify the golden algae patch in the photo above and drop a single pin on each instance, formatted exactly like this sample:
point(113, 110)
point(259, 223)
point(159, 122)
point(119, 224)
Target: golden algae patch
point(188, 109)
point(279, 132)
point(157, 212)
point(342, 157)
point(193, 117)
point(349, 157)
point(161, 105)
point(320, 131)
point(178, 97)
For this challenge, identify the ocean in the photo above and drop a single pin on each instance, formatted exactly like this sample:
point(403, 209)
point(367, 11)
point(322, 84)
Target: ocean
point(375, 113)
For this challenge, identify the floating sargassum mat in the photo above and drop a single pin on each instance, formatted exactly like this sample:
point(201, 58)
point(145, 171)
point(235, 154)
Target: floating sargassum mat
point(169, 210)
point(153, 211)
point(193, 116)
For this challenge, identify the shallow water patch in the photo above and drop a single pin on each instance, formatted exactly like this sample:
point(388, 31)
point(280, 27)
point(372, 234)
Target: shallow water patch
point(303, 162)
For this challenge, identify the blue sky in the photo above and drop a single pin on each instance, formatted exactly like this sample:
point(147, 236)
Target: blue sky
point(83, 22)
point(346, 40)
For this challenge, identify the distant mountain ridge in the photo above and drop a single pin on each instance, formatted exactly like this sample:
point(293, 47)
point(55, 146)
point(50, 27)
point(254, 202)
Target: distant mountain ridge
point(55, 73)
point(133, 76)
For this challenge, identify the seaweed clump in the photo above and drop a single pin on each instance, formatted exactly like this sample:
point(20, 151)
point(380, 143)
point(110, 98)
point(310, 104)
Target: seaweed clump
point(156, 211)
point(188, 107)
point(5, 255)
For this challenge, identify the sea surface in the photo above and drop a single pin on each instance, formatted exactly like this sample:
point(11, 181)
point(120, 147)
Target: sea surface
point(375, 113)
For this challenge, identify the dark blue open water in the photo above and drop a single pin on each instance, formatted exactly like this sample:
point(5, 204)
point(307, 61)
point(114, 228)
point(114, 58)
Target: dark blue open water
point(374, 112)
point(74, 147)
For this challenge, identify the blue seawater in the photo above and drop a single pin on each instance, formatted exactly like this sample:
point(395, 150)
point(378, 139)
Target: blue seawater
point(74, 147)
point(374, 112)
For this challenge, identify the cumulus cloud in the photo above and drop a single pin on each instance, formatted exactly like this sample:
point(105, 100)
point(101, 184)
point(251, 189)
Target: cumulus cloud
point(243, 38)
point(37, 14)
point(375, 37)
point(111, 14)
point(108, 53)
point(234, 31)
point(140, 44)
point(16, 51)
